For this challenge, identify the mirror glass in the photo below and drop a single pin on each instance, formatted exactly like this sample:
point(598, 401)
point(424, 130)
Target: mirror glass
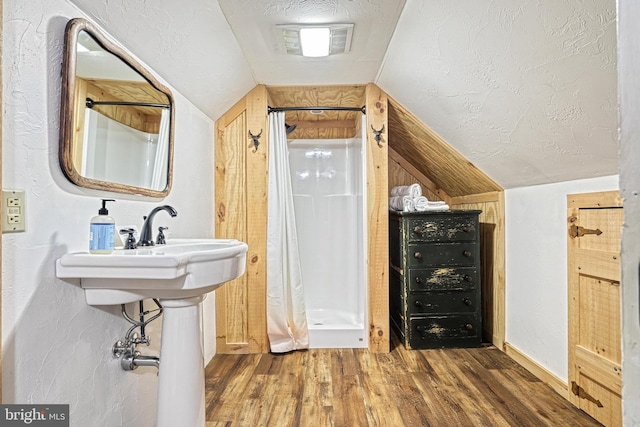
point(116, 118)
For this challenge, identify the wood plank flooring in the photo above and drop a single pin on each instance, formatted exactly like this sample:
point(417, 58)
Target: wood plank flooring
point(353, 387)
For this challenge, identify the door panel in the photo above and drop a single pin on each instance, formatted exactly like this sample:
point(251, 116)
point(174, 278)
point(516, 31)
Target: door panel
point(595, 224)
point(600, 317)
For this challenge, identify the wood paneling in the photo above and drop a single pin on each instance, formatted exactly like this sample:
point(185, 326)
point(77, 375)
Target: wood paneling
point(241, 205)
point(493, 261)
point(144, 119)
point(257, 182)
point(356, 387)
point(378, 217)
point(434, 157)
point(329, 124)
point(401, 172)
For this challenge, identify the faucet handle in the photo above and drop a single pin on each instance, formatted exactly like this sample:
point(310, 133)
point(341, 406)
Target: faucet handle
point(160, 240)
point(131, 241)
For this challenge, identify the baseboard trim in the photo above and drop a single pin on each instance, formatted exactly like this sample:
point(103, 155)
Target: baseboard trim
point(536, 369)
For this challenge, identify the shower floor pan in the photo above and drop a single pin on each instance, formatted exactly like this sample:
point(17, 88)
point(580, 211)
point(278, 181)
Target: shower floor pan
point(335, 329)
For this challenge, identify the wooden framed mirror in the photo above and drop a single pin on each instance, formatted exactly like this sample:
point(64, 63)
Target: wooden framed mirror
point(116, 118)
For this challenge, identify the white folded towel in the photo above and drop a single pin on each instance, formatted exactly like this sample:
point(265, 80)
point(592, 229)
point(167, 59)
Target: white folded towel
point(409, 198)
point(395, 203)
point(408, 204)
point(413, 190)
point(401, 203)
point(422, 204)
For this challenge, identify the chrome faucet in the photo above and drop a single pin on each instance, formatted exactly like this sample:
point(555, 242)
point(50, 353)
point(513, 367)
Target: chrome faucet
point(146, 235)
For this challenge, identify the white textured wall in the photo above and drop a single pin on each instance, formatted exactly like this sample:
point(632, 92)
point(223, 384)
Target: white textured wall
point(56, 348)
point(629, 85)
point(526, 90)
point(536, 269)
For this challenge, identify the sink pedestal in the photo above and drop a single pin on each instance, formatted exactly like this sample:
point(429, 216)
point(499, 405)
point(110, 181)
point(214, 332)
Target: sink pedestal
point(181, 375)
point(179, 274)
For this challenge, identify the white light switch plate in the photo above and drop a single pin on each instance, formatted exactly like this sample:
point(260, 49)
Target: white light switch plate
point(13, 211)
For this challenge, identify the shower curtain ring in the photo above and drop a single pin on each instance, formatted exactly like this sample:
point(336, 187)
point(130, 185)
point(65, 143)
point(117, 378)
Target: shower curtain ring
point(377, 135)
point(255, 138)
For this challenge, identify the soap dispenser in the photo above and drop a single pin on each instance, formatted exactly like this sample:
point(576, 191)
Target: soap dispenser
point(102, 231)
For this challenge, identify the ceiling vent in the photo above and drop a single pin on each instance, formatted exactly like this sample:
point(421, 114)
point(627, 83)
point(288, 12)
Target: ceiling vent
point(337, 39)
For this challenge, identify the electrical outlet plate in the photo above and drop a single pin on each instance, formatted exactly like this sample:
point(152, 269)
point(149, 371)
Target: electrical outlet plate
point(13, 211)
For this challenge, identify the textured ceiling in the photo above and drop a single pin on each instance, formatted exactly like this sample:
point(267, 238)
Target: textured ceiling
point(525, 90)
point(254, 24)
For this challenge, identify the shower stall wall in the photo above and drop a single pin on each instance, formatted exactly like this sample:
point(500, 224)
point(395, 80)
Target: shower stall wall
point(328, 182)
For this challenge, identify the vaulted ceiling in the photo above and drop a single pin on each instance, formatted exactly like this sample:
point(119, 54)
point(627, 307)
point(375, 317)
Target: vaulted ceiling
point(524, 90)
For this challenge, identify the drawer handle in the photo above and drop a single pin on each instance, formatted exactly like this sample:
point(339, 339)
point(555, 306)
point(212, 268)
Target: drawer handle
point(419, 328)
point(466, 253)
point(418, 303)
point(466, 301)
point(469, 327)
point(467, 278)
point(417, 230)
point(418, 280)
point(466, 229)
point(417, 255)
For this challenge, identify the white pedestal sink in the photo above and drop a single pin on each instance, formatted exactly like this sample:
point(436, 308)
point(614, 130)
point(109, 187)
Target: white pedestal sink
point(179, 274)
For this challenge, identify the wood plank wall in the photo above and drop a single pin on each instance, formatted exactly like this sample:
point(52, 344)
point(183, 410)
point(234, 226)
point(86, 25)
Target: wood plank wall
point(433, 156)
point(327, 124)
point(378, 216)
point(144, 119)
point(492, 248)
point(241, 206)
point(401, 172)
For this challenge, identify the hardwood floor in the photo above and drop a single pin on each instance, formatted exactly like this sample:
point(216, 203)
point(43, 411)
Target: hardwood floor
point(353, 387)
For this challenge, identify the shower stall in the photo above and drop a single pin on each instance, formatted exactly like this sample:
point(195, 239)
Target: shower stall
point(328, 179)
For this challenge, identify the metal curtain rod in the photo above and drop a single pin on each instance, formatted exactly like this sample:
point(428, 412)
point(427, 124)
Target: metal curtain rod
point(276, 109)
point(90, 103)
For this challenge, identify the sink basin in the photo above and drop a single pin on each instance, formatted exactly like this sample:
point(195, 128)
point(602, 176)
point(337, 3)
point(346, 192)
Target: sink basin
point(182, 268)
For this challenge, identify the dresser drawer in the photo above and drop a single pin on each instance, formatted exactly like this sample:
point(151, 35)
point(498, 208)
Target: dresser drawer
point(443, 278)
point(442, 229)
point(448, 302)
point(444, 331)
point(442, 254)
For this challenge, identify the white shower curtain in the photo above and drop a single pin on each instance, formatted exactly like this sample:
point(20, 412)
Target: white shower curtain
point(286, 316)
point(159, 174)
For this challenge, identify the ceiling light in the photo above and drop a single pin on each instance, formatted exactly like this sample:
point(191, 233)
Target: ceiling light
point(315, 42)
point(337, 39)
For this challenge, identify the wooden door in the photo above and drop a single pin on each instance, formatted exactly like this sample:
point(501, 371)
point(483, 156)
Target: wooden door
point(595, 375)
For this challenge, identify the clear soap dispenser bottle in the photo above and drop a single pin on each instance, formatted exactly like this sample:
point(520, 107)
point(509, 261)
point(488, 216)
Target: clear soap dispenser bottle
point(102, 231)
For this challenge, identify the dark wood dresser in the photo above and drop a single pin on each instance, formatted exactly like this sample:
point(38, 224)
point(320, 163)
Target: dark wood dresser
point(434, 281)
